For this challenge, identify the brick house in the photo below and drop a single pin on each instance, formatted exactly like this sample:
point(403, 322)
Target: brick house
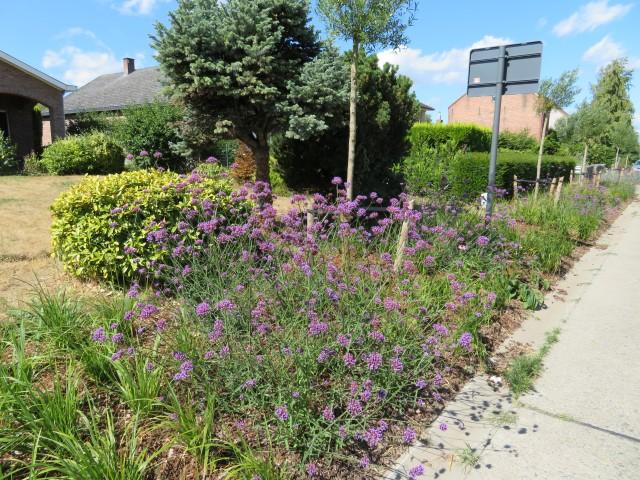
point(113, 92)
point(518, 113)
point(22, 87)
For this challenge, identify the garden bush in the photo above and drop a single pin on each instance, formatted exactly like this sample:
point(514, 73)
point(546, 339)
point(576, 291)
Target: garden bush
point(87, 122)
point(33, 165)
point(468, 137)
point(468, 176)
point(93, 153)
point(99, 223)
point(519, 141)
point(243, 169)
point(8, 156)
point(151, 128)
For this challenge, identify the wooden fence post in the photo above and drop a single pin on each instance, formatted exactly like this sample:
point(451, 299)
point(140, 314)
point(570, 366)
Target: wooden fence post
point(515, 187)
point(310, 221)
point(558, 191)
point(402, 241)
point(571, 177)
point(598, 179)
point(553, 187)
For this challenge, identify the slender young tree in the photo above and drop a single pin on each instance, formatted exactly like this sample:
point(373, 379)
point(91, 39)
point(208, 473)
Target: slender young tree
point(553, 95)
point(611, 91)
point(249, 69)
point(591, 122)
point(367, 24)
point(624, 137)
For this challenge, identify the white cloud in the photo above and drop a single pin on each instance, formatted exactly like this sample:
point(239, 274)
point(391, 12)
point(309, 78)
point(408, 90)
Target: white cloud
point(604, 51)
point(591, 16)
point(82, 57)
point(81, 66)
point(52, 59)
point(137, 7)
point(85, 66)
point(542, 22)
point(445, 67)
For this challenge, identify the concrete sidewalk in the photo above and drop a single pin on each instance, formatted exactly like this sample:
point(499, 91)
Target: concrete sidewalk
point(583, 420)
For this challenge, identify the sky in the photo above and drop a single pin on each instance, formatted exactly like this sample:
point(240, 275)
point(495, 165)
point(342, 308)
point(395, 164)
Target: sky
point(77, 40)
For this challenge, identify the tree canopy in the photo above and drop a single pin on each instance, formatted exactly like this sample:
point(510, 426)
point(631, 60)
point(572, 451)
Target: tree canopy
point(243, 67)
point(387, 109)
point(611, 91)
point(559, 93)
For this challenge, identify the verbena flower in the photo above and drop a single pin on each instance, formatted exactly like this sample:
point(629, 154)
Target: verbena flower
point(374, 360)
point(202, 309)
point(466, 340)
point(312, 469)
point(416, 472)
point(99, 335)
point(409, 435)
point(354, 408)
point(282, 413)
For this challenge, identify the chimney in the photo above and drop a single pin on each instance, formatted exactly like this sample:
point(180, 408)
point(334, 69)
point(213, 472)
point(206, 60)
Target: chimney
point(128, 65)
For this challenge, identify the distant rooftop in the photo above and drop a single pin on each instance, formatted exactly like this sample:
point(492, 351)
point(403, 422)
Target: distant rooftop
point(116, 91)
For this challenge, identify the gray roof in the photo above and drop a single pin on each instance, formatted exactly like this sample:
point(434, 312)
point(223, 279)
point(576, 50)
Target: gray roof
point(115, 91)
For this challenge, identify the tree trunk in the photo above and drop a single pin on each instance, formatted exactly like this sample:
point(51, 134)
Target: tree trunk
point(545, 126)
point(353, 103)
point(261, 157)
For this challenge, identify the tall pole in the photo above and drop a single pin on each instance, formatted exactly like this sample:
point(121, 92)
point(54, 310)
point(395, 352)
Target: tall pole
point(491, 188)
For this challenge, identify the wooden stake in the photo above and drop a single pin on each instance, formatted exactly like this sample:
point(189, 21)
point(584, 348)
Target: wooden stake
point(558, 191)
point(571, 177)
point(402, 241)
point(515, 187)
point(598, 179)
point(310, 221)
point(553, 187)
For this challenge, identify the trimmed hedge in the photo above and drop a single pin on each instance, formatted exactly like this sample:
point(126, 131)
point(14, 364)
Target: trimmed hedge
point(468, 175)
point(94, 153)
point(471, 137)
point(99, 220)
point(520, 141)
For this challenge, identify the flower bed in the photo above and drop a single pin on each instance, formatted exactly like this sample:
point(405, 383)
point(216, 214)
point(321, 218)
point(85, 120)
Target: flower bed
point(282, 346)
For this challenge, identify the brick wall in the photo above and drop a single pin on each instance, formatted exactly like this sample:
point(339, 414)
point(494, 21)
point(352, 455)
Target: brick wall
point(22, 91)
point(20, 113)
point(518, 113)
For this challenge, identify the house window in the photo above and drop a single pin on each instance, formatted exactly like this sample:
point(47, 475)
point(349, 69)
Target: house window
point(4, 123)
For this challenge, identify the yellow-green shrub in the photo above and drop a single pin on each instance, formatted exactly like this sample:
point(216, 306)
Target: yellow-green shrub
point(92, 152)
point(95, 220)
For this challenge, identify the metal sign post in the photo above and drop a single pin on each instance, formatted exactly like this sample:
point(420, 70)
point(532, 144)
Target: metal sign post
point(497, 71)
point(497, 107)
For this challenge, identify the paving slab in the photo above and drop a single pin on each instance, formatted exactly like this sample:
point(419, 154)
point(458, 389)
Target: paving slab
point(583, 419)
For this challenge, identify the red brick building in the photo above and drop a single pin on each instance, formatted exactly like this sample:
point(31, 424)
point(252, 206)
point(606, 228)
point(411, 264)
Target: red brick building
point(22, 87)
point(518, 113)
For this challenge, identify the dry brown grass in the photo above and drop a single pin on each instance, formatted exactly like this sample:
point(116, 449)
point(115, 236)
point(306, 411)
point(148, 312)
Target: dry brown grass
point(25, 240)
